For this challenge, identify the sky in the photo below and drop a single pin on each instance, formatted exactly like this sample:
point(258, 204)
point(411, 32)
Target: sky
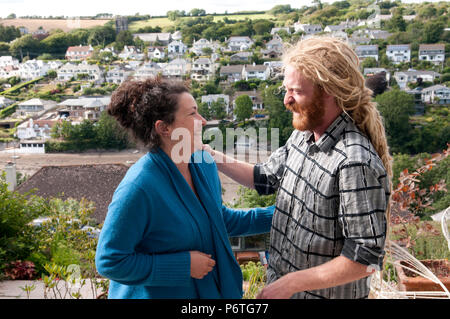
point(131, 7)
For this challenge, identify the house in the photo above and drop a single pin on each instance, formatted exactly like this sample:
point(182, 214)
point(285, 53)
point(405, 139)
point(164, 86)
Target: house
point(202, 69)
point(367, 51)
point(276, 44)
point(156, 52)
point(261, 72)
point(404, 77)
point(399, 53)
point(241, 56)
point(33, 129)
point(378, 34)
point(176, 68)
point(32, 147)
point(198, 46)
point(9, 71)
point(334, 28)
point(117, 75)
point(434, 53)
point(148, 69)
point(94, 182)
point(233, 73)
point(210, 98)
point(177, 48)
point(254, 95)
point(308, 28)
point(177, 35)
point(130, 52)
point(239, 43)
point(91, 72)
point(83, 108)
point(164, 38)
point(372, 71)
point(79, 52)
point(7, 60)
point(5, 102)
point(33, 69)
point(35, 107)
point(437, 94)
point(270, 54)
point(276, 30)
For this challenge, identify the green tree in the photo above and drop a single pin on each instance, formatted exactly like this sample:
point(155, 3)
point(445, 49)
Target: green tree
point(204, 110)
point(396, 107)
point(433, 32)
point(244, 107)
point(218, 109)
point(124, 38)
point(25, 46)
point(109, 134)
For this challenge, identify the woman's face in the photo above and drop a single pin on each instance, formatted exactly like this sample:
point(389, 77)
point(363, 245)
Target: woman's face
point(186, 130)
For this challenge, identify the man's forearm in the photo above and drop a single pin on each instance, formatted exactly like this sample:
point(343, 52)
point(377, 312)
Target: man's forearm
point(240, 172)
point(336, 272)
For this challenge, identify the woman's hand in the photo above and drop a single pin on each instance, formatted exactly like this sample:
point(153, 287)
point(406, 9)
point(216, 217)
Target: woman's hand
point(201, 264)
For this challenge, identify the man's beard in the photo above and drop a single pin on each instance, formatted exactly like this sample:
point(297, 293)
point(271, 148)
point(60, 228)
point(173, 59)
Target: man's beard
point(310, 114)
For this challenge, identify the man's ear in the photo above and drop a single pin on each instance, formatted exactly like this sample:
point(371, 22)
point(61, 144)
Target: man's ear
point(162, 128)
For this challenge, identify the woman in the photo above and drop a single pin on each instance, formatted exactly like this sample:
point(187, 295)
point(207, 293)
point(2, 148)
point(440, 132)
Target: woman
point(166, 231)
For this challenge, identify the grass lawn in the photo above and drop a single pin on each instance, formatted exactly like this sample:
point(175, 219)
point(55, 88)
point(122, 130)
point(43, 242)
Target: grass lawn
point(165, 22)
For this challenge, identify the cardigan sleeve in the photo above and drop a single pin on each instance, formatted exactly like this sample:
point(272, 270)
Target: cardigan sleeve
point(247, 222)
point(127, 222)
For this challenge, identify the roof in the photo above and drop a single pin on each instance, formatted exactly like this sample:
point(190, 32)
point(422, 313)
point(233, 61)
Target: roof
point(153, 37)
point(398, 47)
point(438, 46)
point(259, 67)
point(34, 102)
point(366, 47)
point(436, 87)
point(79, 49)
point(95, 183)
point(232, 69)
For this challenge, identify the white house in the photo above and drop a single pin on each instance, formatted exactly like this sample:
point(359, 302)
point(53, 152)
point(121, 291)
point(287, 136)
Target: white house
point(148, 69)
point(398, 53)
point(254, 96)
point(372, 71)
point(131, 53)
point(177, 47)
point(334, 28)
point(117, 75)
point(239, 43)
point(202, 69)
point(35, 129)
point(404, 77)
point(176, 68)
point(32, 147)
point(79, 52)
point(33, 69)
point(261, 72)
point(275, 44)
point(308, 28)
point(70, 70)
point(34, 106)
point(243, 56)
point(438, 94)
point(8, 60)
point(434, 53)
point(198, 46)
point(156, 52)
point(89, 108)
point(367, 51)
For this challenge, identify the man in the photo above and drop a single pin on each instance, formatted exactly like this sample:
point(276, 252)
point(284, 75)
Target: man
point(332, 177)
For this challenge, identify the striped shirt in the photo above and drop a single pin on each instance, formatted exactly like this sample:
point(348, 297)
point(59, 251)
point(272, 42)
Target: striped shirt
point(331, 201)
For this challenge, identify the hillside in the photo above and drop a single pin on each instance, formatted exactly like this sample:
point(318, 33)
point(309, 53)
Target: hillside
point(50, 24)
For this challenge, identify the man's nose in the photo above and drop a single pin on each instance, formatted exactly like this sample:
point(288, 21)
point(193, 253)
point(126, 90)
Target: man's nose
point(288, 99)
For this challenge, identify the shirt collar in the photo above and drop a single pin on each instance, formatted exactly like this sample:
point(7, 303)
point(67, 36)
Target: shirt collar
point(331, 135)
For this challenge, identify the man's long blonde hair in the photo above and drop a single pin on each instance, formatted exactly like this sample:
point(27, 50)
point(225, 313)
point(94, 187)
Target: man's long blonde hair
point(333, 65)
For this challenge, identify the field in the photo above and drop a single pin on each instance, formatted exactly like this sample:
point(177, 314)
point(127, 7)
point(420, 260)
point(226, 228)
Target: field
point(51, 24)
point(165, 22)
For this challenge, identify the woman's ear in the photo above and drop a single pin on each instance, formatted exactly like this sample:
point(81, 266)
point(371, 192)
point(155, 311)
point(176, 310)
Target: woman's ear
point(162, 128)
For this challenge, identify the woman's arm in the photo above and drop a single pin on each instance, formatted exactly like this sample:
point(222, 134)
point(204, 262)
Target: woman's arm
point(241, 222)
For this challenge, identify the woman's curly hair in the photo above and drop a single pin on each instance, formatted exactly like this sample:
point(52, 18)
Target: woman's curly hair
point(138, 104)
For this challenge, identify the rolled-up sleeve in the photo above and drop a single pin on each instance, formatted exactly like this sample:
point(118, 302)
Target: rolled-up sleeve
point(362, 213)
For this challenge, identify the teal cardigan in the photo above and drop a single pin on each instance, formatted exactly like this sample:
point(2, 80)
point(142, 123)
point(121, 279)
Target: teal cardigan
point(155, 219)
